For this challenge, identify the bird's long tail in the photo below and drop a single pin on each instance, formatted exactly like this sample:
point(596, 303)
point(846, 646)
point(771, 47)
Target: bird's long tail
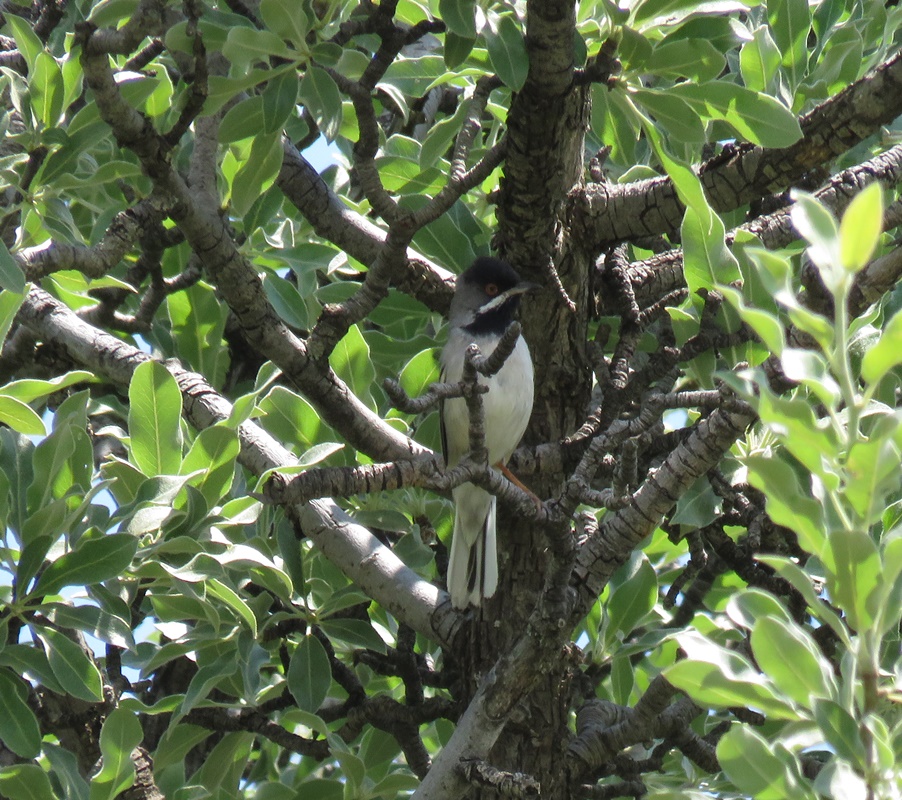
point(473, 566)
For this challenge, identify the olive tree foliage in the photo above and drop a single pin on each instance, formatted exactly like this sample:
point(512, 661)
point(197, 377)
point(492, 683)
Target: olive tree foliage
point(223, 507)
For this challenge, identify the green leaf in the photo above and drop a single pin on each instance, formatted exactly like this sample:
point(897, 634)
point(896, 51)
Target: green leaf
point(65, 767)
point(32, 661)
point(861, 226)
point(258, 173)
point(354, 632)
point(632, 599)
point(77, 673)
point(279, 99)
point(760, 768)
point(766, 325)
point(309, 674)
point(789, 656)
point(204, 680)
point(457, 48)
point(320, 95)
point(19, 730)
point(160, 99)
point(231, 598)
point(25, 782)
point(790, 21)
point(750, 605)
point(707, 260)
point(27, 42)
point(886, 354)
point(818, 226)
point(720, 678)
point(30, 389)
point(287, 19)
point(351, 361)
point(245, 45)
point(673, 113)
point(759, 60)
point(154, 418)
point(93, 561)
point(507, 52)
point(243, 120)
point(421, 371)
point(212, 455)
point(853, 576)
point(10, 302)
point(757, 117)
point(12, 277)
point(20, 417)
point(840, 730)
point(286, 300)
point(45, 82)
point(697, 59)
point(787, 503)
point(198, 320)
point(120, 735)
point(459, 16)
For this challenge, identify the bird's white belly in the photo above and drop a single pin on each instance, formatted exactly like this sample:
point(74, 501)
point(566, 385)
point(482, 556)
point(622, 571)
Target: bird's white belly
point(507, 404)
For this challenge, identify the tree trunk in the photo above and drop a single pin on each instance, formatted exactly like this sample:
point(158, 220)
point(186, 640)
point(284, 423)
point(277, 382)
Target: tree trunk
point(544, 162)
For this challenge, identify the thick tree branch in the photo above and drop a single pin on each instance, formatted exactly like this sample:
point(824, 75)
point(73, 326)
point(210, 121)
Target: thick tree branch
point(350, 546)
point(605, 212)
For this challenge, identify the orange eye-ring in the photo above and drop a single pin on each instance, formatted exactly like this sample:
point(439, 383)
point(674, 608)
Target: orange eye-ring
point(491, 289)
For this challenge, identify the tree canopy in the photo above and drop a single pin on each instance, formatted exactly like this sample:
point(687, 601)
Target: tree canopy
point(224, 509)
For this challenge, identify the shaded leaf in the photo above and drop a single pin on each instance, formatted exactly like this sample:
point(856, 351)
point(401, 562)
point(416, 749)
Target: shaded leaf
point(309, 674)
point(19, 729)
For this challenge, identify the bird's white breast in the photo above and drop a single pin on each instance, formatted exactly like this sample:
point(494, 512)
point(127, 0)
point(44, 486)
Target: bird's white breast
point(507, 404)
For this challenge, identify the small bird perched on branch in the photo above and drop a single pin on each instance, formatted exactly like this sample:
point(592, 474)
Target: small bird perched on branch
point(485, 301)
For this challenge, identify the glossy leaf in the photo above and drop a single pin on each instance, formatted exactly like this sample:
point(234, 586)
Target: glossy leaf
point(790, 21)
point(758, 768)
point(93, 560)
point(27, 41)
point(633, 598)
point(787, 502)
point(19, 729)
point(309, 674)
point(687, 58)
point(46, 84)
point(860, 228)
point(757, 117)
point(886, 354)
point(121, 733)
point(459, 16)
point(279, 99)
point(20, 417)
point(286, 18)
point(212, 456)
point(351, 361)
point(25, 782)
point(246, 45)
point(320, 95)
point(507, 52)
point(154, 418)
point(12, 278)
point(790, 657)
point(77, 673)
point(256, 174)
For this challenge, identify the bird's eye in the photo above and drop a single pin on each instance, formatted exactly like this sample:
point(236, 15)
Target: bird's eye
point(491, 289)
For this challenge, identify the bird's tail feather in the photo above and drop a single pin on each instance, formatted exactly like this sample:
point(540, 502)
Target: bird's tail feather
point(473, 566)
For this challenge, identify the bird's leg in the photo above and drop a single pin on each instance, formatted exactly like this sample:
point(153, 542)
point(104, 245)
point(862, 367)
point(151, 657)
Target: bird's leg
point(519, 484)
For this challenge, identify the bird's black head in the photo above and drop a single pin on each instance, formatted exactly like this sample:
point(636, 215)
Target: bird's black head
point(487, 296)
